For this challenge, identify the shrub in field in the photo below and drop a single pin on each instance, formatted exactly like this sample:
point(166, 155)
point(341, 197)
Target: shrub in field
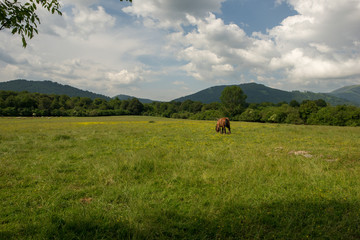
point(336, 116)
point(207, 115)
point(293, 117)
point(307, 108)
point(273, 115)
point(181, 115)
point(250, 115)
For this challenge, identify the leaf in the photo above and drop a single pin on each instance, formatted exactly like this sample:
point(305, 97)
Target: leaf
point(24, 41)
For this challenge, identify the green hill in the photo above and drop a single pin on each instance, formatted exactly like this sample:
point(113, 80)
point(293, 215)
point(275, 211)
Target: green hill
point(127, 97)
point(258, 93)
point(351, 93)
point(47, 87)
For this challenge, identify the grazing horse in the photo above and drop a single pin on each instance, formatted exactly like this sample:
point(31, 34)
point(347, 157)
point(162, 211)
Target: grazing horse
point(223, 123)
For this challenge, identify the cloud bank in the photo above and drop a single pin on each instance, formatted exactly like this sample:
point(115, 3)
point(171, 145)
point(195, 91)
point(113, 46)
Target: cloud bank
point(114, 48)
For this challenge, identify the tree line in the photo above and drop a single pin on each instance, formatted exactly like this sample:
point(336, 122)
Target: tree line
point(233, 104)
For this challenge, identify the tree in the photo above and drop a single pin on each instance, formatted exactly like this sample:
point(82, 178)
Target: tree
point(294, 103)
point(320, 103)
point(307, 108)
point(233, 100)
point(21, 18)
point(135, 107)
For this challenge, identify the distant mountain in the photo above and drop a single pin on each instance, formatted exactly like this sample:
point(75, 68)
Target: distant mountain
point(258, 93)
point(127, 97)
point(351, 93)
point(47, 87)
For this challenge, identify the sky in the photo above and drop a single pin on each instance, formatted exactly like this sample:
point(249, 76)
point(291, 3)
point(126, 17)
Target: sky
point(165, 49)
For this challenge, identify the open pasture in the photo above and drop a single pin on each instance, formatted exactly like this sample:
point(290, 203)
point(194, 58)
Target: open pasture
point(157, 178)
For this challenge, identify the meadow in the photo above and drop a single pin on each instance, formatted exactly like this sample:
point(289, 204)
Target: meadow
point(156, 178)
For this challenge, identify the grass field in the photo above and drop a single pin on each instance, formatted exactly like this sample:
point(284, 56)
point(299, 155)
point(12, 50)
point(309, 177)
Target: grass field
point(157, 178)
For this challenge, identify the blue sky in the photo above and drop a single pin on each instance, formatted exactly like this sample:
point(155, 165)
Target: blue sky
point(255, 15)
point(165, 49)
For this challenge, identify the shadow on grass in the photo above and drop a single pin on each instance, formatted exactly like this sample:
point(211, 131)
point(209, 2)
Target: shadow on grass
point(294, 220)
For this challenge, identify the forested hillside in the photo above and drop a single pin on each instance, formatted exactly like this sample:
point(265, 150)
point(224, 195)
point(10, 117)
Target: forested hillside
point(127, 97)
point(258, 93)
point(47, 87)
point(351, 93)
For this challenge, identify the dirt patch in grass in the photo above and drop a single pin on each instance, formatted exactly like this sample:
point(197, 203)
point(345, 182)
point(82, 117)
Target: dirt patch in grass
point(301, 153)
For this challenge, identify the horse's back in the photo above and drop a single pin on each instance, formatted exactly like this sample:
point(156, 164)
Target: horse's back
point(224, 122)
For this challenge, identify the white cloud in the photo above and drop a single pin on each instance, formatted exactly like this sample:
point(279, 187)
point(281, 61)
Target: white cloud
point(83, 48)
point(322, 48)
point(124, 77)
point(88, 21)
point(216, 51)
point(319, 45)
point(172, 13)
point(91, 48)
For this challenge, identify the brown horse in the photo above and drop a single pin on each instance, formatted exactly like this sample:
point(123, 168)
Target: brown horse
point(223, 123)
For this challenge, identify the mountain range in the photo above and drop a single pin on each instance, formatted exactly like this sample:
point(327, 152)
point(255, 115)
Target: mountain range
point(48, 87)
point(256, 93)
point(351, 93)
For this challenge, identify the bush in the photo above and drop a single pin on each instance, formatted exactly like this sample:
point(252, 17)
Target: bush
point(249, 115)
point(181, 115)
point(336, 116)
point(207, 115)
point(293, 117)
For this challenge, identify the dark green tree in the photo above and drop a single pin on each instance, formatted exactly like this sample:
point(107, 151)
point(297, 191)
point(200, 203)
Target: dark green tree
point(320, 103)
point(233, 100)
point(307, 108)
point(135, 107)
point(25, 100)
point(294, 103)
point(211, 106)
point(115, 103)
point(85, 102)
point(62, 100)
point(186, 106)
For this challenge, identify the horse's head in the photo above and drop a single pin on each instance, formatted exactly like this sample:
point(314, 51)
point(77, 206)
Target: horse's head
point(217, 128)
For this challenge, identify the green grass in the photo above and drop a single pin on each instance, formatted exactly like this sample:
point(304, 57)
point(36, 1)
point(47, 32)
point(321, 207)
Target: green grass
point(156, 178)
